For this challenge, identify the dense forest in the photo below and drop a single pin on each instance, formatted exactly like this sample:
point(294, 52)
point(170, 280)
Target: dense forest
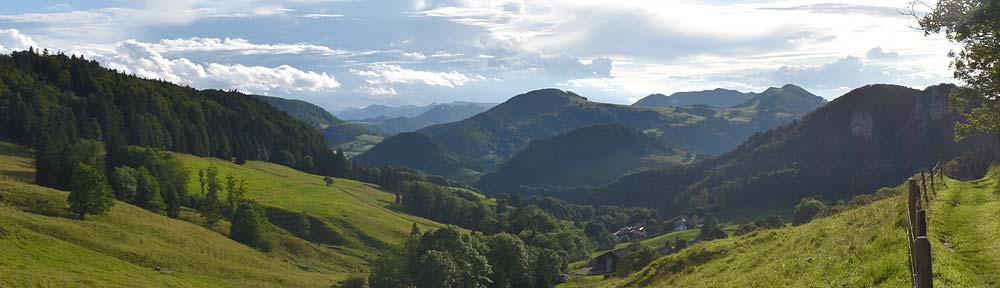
point(53, 102)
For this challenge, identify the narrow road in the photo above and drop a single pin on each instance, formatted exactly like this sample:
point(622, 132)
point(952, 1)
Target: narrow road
point(965, 221)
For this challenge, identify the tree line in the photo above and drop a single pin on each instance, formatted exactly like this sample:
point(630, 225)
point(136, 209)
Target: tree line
point(54, 103)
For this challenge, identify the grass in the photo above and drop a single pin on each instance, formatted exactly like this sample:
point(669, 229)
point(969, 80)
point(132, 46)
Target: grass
point(658, 241)
point(964, 229)
point(42, 246)
point(364, 218)
point(862, 247)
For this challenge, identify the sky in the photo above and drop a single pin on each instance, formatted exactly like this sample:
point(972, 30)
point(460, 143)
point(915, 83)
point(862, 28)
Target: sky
point(353, 53)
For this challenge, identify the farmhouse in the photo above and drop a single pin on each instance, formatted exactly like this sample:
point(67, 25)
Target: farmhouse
point(630, 233)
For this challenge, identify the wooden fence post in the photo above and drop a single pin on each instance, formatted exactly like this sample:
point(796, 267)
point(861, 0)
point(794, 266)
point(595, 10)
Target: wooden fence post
point(913, 197)
point(921, 225)
point(923, 185)
point(922, 253)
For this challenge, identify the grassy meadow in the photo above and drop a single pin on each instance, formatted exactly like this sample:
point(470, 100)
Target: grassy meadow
point(861, 247)
point(362, 217)
point(42, 245)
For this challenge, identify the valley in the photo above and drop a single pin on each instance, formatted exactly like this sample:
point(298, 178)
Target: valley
point(500, 144)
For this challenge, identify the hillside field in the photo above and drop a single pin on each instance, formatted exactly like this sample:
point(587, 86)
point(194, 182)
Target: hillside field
point(861, 247)
point(362, 216)
point(42, 245)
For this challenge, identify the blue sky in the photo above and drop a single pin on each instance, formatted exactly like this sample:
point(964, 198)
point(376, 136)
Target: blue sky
point(351, 53)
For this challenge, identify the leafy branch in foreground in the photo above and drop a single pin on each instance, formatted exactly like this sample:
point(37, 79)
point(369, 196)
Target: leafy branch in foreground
point(974, 24)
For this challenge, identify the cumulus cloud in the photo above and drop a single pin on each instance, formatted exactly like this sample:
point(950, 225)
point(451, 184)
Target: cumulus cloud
point(605, 84)
point(877, 66)
point(140, 58)
point(320, 15)
point(380, 77)
point(240, 46)
point(12, 40)
point(878, 53)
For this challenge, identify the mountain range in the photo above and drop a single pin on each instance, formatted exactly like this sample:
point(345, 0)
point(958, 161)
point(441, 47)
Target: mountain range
point(486, 140)
point(871, 137)
point(353, 138)
point(722, 98)
point(435, 114)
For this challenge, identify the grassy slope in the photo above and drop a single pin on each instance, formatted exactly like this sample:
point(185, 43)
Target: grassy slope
point(862, 247)
point(41, 246)
point(364, 215)
point(658, 241)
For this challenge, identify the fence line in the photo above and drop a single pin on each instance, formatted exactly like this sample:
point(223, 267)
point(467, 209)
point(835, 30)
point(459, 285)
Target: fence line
point(918, 198)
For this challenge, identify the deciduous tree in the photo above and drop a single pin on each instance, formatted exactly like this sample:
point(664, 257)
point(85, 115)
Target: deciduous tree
point(89, 192)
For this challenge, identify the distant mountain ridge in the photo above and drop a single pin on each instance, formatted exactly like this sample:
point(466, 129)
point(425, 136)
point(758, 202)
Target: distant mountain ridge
point(486, 140)
point(871, 137)
point(353, 138)
point(721, 98)
point(376, 110)
point(437, 114)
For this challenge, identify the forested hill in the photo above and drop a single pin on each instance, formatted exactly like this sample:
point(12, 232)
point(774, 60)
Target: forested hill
point(492, 137)
point(54, 101)
point(591, 155)
point(302, 110)
point(871, 137)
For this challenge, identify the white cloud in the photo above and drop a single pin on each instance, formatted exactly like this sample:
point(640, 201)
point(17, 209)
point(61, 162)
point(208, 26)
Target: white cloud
point(390, 74)
point(320, 16)
point(878, 53)
point(141, 59)
point(240, 46)
point(380, 77)
point(12, 40)
point(606, 84)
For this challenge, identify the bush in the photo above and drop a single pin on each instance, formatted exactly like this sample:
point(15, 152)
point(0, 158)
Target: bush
point(635, 260)
point(861, 200)
point(888, 192)
point(250, 225)
point(746, 228)
point(354, 282)
point(807, 210)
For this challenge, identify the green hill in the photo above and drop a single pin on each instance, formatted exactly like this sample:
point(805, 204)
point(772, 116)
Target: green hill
point(590, 156)
point(42, 245)
point(492, 137)
point(54, 100)
point(353, 138)
point(871, 137)
point(356, 214)
point(861, 247)
point(302, 110)
point(415, 150)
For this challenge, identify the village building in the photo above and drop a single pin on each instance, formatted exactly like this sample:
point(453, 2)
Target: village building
point(630, 233)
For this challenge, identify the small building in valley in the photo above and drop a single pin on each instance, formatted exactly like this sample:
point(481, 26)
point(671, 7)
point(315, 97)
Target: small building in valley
point(630, 233)
point(607, 263)
point(682, 224)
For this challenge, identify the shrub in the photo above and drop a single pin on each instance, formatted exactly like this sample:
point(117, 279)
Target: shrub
point(354, 282)
point(807, 210)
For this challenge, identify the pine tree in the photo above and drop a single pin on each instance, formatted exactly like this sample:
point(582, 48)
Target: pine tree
point(89, 192)
point(211, 208)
